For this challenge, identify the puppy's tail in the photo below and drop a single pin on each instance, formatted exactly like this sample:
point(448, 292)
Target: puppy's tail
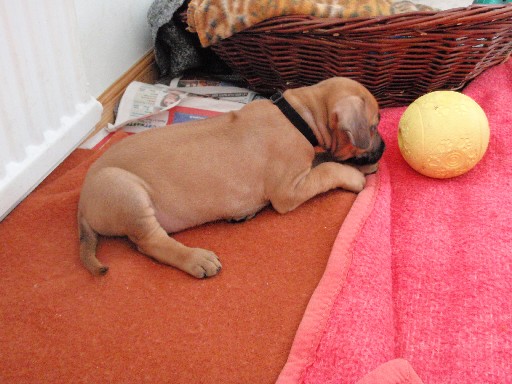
point(88, 242)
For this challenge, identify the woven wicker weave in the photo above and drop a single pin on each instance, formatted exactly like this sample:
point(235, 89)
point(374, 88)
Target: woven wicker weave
point(398, 58)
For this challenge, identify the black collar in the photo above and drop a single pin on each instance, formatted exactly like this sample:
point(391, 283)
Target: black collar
point(292, 115)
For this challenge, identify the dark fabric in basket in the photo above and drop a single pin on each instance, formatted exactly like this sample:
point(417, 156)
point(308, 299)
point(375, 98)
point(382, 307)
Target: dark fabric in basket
point(177, 50)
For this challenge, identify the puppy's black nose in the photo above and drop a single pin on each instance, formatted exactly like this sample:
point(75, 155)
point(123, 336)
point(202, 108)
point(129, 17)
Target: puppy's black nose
point(370, 157)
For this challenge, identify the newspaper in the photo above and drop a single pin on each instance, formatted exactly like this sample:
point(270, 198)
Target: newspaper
point(145, 106)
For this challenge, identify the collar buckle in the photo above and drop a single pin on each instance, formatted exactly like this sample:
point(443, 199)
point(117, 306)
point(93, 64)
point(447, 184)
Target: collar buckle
point(276, 97)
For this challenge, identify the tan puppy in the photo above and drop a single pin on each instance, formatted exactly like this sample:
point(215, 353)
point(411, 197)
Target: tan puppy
point(227, 167)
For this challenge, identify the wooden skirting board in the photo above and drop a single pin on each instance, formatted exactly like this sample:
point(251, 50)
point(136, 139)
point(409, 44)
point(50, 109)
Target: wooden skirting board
point(145, 70)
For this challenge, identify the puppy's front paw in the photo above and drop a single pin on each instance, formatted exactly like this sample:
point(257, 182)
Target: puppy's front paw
point(355, 181)
point(202, 263)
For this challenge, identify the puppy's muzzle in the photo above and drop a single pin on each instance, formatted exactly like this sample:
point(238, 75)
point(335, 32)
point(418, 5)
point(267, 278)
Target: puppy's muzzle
point(372, 156)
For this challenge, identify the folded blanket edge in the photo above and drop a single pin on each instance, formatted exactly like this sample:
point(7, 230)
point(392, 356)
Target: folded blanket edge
point(319, 307)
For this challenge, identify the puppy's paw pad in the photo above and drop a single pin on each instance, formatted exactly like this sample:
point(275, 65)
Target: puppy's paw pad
point(203, 263)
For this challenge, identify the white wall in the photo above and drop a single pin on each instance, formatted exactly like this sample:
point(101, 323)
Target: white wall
point(113, 35)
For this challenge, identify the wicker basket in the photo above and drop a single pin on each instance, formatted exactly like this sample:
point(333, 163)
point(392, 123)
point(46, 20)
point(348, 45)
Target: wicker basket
point(398, 58)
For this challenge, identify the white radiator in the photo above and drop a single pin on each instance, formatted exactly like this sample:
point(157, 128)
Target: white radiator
point(45, 109)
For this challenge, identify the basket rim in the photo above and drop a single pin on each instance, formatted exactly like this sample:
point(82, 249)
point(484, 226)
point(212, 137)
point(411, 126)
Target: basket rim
point(423, 20)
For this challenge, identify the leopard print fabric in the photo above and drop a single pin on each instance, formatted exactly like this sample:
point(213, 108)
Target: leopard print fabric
point(214, 20)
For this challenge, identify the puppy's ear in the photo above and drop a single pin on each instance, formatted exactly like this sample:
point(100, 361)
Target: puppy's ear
point(349, 116)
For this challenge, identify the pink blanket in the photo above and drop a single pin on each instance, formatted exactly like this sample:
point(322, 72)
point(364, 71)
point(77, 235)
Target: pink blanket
point(420, 277)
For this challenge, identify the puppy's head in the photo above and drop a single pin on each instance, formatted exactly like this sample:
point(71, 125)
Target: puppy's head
point(353, 120)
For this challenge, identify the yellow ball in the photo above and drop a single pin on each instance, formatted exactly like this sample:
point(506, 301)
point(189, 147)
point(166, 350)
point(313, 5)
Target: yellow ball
point(443, 134)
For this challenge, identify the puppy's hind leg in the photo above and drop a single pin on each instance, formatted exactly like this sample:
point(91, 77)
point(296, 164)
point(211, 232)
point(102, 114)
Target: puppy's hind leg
point(155, 242)
point(127, 210)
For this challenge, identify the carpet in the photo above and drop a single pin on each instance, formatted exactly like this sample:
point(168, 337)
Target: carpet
point(148, 323)
point(418, 287)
